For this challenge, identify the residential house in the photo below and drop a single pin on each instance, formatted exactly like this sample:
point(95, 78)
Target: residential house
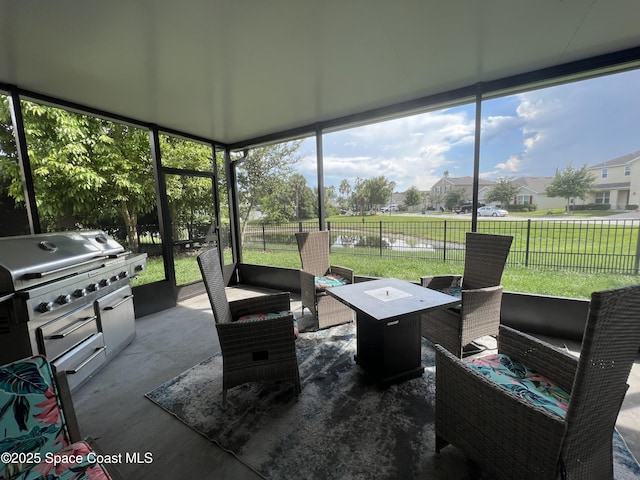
point(532, 191)
point(447, 183)
point(617, 182)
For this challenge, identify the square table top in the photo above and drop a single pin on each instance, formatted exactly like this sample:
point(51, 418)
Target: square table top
point(390, 298)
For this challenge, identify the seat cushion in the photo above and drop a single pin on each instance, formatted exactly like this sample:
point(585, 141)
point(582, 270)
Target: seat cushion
point(527, 384)
point(453, 291)
point(256, 317)
point(328, 281)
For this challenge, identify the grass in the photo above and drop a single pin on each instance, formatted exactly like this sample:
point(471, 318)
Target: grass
point(563, 283)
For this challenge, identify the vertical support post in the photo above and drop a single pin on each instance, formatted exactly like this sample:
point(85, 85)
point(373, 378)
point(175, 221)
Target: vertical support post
point(162, 201)
point(476, 159)
point(26, 173)
point(380, 232)
point(320, 165)
point(234, 209)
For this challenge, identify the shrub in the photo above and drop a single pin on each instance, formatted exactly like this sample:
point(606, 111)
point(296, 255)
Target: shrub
point(591, 206)
point(528, 207)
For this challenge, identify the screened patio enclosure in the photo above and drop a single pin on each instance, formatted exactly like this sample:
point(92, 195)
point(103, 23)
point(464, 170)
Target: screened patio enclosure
point(231, 76)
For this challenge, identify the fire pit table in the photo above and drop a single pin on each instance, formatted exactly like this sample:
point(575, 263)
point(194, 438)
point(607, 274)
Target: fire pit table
point(388, 325)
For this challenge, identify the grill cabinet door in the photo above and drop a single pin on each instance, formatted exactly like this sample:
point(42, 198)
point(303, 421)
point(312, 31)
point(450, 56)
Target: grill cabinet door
point(116, 319)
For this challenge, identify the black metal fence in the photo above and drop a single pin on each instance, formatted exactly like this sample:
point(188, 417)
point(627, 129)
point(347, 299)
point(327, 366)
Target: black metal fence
point(581, 245)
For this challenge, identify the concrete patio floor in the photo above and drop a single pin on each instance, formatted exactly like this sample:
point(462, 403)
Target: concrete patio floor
point(111, 406)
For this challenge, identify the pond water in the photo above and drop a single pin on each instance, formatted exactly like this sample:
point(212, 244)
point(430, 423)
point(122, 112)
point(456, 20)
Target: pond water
point(352, 241)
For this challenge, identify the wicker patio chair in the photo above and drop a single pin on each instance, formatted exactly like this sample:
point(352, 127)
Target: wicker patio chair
point(481, 294)
point(513, 438)
point(256, 334)
point(314, 256)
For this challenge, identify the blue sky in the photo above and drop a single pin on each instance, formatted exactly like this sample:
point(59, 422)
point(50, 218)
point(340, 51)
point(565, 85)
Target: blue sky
point(529, 134)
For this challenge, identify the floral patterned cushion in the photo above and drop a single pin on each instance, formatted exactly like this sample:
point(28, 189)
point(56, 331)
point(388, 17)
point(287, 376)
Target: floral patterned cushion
point(256, 317)
point(453, 291)
point(518, 379)
point(58, 467)
point(328, 281)
point(33, 425)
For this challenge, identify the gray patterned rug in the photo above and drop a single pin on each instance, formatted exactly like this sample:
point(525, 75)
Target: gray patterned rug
point(342, 426)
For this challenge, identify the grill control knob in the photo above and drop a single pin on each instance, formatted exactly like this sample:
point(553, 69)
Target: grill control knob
point(79, 293)
point(124, 274)
point(45, 307)
point(105, 282)
point(62, 299)
point(115, 278)
point(94, 287)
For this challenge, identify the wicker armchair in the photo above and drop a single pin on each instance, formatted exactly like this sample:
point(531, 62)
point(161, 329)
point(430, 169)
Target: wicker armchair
point(511, 437)
point(314, 256)
point(253, 349)
point(479, 311)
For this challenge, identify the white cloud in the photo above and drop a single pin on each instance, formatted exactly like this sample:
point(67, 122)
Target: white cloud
point(525, 134)
point(511, 165)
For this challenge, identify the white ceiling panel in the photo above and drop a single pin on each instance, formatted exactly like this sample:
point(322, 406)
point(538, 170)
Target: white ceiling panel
point(232, 70)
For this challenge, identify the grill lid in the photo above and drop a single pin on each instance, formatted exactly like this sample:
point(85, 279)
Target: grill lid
point(28, 260)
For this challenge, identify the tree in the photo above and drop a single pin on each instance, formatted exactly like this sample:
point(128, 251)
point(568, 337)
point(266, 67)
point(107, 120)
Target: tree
point(345, 190)
point(504, 191)
point(378, 190)
point(261, 175)
point(454, 197)
point(85, 170)
point(412, 197)
point(571, 183)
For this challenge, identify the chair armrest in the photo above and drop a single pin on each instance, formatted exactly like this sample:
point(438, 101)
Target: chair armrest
point(440, 282)
point(307, 286)
point(344, 272)
point(477, 300)
point(480, 312)
point(540, 356)
point(260, 304)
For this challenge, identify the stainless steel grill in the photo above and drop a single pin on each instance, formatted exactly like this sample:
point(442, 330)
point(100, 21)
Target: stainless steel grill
point(68, 296)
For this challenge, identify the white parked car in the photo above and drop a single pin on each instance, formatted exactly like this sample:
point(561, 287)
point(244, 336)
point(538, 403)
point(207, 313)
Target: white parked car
point(392, 208)
point(491, 212)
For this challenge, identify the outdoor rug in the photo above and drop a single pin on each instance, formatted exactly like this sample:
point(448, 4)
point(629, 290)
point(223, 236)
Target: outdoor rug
point(342, 426)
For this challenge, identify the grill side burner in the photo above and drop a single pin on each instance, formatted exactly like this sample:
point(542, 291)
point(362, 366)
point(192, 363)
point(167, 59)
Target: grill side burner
point(68, 296)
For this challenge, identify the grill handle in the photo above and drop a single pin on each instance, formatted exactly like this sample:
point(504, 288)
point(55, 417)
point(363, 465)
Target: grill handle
point(57, 270)
point(113, 307)
point(98, 351)
point(72, 329)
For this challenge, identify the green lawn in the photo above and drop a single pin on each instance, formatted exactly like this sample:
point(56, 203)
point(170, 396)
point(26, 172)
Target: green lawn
point(562, 283)
point(552, 241)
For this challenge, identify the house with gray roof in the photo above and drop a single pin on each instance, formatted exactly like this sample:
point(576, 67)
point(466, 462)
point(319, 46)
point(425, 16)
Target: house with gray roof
point(532, 191)
point(447, 183)
point(617, 182)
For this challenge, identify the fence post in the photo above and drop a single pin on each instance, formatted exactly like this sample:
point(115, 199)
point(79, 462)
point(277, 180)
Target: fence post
point(636, 267)
point(300, 226)
point(444, 243)
point(329, 230)
point(380, 237)
point(264, 239)
point(526, 253)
